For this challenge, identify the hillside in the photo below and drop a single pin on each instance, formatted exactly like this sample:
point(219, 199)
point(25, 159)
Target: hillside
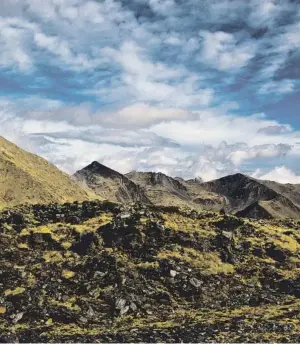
point(27, 178)
point(110, 184)
point(250, 197)
point(102, 272)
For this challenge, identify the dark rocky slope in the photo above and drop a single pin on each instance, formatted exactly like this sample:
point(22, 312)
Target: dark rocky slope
point(101, 272)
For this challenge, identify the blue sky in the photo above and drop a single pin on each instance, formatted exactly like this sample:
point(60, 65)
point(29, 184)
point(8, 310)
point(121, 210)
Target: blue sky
point(189, 88)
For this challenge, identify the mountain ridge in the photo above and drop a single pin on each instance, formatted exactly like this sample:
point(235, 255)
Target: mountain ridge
point(28, 178)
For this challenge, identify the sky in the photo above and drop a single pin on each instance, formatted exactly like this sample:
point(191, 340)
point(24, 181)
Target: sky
point(185, 87)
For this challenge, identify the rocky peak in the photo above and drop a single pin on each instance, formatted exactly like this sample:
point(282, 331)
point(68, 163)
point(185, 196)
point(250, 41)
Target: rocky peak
point(110, 184)
point(196, 180)
point(100, 169)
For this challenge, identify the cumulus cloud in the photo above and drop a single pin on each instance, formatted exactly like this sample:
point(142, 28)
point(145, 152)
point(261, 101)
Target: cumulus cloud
point(137, 115)
point(14, 39)
point(209, 152)
point(143, 115)
point(214, 125)
point(283, 175)
point(221, 50)
point(275, 129)
point(156, 82)
point(263, 151)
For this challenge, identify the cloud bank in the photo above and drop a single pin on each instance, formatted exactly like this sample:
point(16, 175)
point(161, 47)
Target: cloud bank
point(189, 88)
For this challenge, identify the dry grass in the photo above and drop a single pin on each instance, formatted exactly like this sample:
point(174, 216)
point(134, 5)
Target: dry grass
point(207, 263)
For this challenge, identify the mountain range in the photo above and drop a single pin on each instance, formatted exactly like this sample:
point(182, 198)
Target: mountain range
point(28, 178)
point(235, 194)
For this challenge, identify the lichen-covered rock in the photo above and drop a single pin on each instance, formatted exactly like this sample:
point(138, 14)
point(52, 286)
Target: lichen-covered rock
point(82, 272)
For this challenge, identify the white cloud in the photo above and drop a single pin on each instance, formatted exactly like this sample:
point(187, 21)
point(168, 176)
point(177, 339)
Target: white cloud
point(277, 87)
point(264, 151)
point(283, 175)
point(162, 6)
point(62, 49)
point(14, 38)
point(214, 125)
point(276, 129)
point(264, 13)
point(194, 149)
point(221, 50)
point(138, 115)
point(143, 115)
point(156, 82)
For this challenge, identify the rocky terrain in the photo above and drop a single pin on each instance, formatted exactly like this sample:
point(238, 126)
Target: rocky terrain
point(104, 272)
point(28, 178)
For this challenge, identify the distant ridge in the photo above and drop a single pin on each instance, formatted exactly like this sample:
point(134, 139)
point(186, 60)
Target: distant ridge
point(249, 197)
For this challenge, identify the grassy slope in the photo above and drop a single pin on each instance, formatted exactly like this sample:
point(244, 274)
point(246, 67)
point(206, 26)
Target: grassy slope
point(27, 178)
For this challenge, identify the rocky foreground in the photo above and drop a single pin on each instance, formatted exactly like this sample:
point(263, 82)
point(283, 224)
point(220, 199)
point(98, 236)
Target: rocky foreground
point(100, 272)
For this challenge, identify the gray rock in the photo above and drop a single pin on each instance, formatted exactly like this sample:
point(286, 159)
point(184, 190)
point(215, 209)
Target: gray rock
point(173, 273)
point(90, 312)
point(195, 282)
point(83, 320)
point(99, 273)
point(17, 317)
point(120, 303)
point(228, 235)
point(124, 310)
point(65, 298)
point(133, 306)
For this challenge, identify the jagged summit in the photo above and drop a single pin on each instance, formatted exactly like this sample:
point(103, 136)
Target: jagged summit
point(197, 180)
point(154, 178)
point(244, 193)
point(98, 168)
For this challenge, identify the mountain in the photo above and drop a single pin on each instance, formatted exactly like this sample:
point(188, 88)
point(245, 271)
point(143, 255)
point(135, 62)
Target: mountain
point(28, 178)
point(110, 184)
point(146, 275)
point(235, 194)
point(250, 197)
point(164, 190)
